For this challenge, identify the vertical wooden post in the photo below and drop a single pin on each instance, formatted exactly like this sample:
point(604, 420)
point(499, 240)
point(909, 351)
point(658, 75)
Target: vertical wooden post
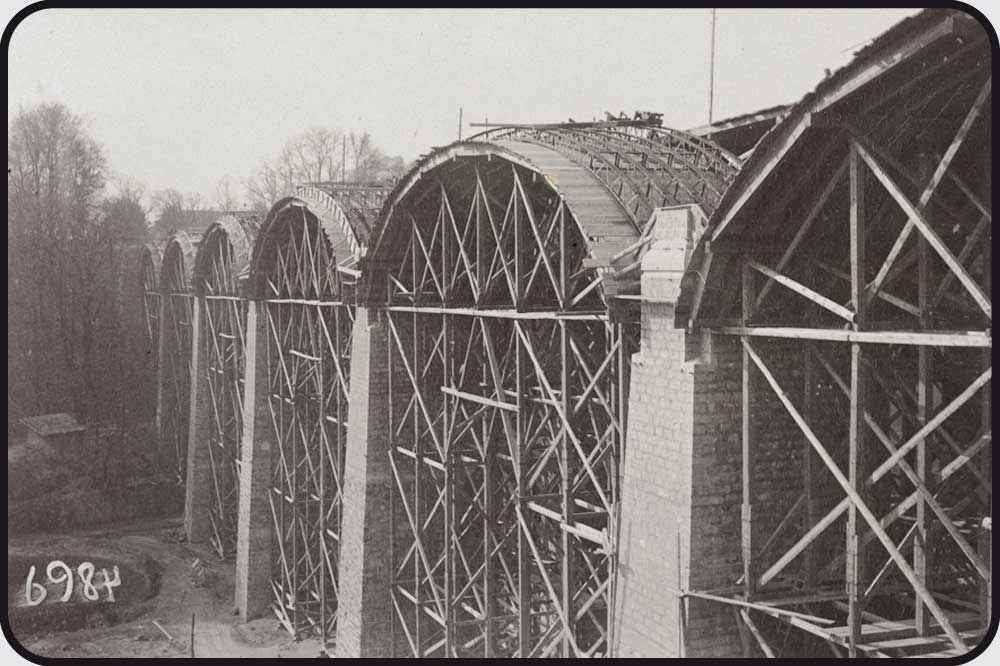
point(925, 383)
point(418, 477)
point(523, 552)
point(481, 235)
point(856, 435)
point(161, 372)
point(519, 244)
point(393, 509)
point(489, 525)
point(321, 470)
point(449, 493)
point(809, 506)
point(568, 582)
point(985, 541)
point(749, 574)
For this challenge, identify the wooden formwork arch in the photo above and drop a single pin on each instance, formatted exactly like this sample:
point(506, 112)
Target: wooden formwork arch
point(149, 267)
point(174, 357)
point(493, 262)
point(302, 278)
point(221, 267)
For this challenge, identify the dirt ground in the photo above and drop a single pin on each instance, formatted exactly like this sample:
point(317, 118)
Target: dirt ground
point(204, 591)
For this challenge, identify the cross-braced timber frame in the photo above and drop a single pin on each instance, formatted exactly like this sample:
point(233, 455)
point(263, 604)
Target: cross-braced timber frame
point(222, 264)
point(149, 263)
point(866, 312)
point(174, 340)
point(508, 376)
point(304, 274)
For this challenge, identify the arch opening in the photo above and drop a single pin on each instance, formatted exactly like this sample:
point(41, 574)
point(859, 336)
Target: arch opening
point(222, 264)
point(174, 390)
point(303, 277)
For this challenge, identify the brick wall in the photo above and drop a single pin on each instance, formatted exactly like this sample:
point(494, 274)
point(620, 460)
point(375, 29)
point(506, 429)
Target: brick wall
point(254, 531)
point(682, 482)
point(198, 486)
point(364, 613)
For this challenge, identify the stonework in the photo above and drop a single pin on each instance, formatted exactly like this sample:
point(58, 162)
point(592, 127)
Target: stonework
point(253, 551)
point(364, 613)
point(682, 485)
point(197, 521)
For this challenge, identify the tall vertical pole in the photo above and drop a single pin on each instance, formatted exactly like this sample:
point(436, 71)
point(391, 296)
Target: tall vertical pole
point(924, 399)
point(567, 496)
point(711, 72)
point(985, 541)
point(808, 478)
point(343, 159)
point(523, 571)
point(747, 443)
point(856, 435)
point(459, 123)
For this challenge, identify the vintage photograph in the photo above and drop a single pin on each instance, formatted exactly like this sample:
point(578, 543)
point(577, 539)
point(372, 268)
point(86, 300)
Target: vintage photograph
point(528, 333)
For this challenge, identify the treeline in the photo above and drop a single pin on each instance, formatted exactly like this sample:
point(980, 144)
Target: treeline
point(75, 324)
point(317, 155)
point(72, 334)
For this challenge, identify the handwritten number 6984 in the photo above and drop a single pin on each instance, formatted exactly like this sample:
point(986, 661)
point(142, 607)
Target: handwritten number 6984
point(58, 572)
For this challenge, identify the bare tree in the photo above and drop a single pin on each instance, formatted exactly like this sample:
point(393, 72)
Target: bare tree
point(264, 187)
point(225, 197)
point(65, 248)
point(173, 210)
point(317, 155)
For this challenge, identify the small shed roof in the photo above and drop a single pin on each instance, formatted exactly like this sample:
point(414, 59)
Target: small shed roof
point(53, 424)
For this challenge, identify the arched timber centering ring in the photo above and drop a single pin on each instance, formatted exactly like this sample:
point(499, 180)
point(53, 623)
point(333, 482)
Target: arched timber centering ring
point(173, 389)
point(508, 377)
point(303, 272)
point(149, 263)
point(221, 265)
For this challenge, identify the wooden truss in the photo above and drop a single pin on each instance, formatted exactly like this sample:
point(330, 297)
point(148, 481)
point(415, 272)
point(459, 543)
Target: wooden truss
point(224, 327)
point(506, 407)
point(884, 372)
point(308, 357)
point(176, 306)
point(150, 297)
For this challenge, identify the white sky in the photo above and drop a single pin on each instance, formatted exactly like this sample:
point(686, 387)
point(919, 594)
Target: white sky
point(181, 98)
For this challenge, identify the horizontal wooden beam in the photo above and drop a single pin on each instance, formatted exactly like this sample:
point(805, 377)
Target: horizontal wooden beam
point(488, 402)
point(939, 339)
point(500, 313)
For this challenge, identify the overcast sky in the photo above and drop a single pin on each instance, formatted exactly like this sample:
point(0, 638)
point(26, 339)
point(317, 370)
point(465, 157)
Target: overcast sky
point(181, 98)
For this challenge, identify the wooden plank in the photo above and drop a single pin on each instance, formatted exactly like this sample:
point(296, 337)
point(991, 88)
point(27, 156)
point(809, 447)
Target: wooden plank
point(893, 629)
point(478, 399)
point(905, 306)
point(855, 556)
point(803, 290)
point(919, 645)
point(765, 648)
point(747, 446)
point(936, 339)
point(806, 225)
point(762, 607)
point(972, 243)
